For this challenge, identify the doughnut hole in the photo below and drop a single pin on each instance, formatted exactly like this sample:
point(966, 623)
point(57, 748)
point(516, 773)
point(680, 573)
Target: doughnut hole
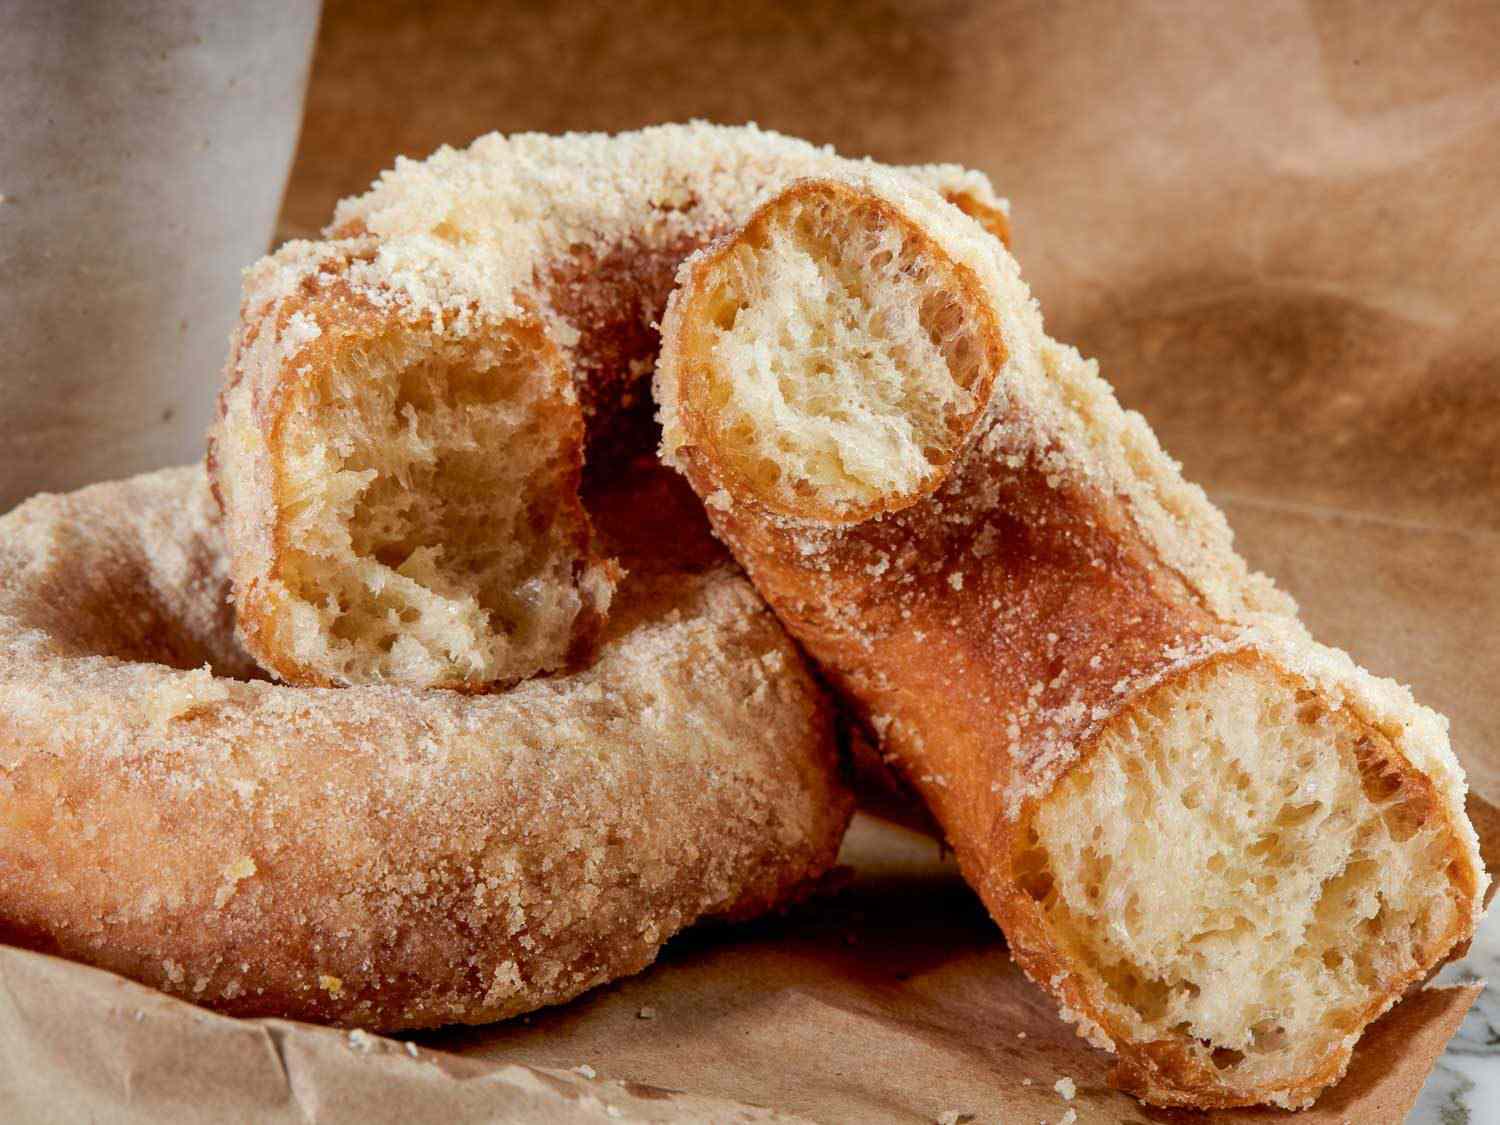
point(431, 530)
point(835, 357)
point(1248, 874)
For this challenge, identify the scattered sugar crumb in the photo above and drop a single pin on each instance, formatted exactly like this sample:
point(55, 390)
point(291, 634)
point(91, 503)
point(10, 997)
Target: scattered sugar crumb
point(586, 1070)
point(300, 329)
point(1068, 1118)
point(361, 1041)
point(411, 1049)
point(646, 1013)
point(1020, 1035)
point(1066, 1087)
point(240, 869)
point(719, 499)
point(331, 985)
point(186, 695)
point(956, 580)
point(1025, 1082)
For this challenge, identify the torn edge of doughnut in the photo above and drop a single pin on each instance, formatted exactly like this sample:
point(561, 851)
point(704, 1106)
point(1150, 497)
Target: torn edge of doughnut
point(401, 496)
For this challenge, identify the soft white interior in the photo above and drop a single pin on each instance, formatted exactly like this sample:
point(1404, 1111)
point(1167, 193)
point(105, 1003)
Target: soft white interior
point(428, 536)
point(1245, 870)
point(843, 352)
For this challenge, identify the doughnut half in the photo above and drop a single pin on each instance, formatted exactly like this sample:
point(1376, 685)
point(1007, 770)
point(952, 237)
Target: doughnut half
point(406, 406)
point(1222, 847)
point(378, 856)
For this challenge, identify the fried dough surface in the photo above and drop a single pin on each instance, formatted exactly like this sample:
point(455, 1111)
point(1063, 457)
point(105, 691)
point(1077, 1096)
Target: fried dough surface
point(1223, 848)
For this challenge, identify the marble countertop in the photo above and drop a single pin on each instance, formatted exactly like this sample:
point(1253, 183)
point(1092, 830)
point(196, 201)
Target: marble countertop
point(1464, 1088)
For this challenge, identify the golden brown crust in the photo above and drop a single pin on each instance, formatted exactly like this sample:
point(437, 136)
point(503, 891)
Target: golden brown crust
point(991, 632)
point(994, 220)
point(376, 856)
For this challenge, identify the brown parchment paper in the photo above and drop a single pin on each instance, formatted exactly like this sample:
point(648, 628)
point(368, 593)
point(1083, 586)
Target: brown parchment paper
point(1274, 223)
point(892, 1001)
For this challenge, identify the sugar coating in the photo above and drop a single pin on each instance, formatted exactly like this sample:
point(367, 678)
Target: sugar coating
point(475, 228)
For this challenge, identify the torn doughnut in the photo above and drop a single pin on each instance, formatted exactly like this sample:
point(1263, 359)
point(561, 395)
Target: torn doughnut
point(381, 856)
point(404, 499)
point(1222, 847)
point(407, 406)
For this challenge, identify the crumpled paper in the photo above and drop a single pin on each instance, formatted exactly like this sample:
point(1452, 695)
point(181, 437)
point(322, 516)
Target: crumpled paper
point(893, 1000)
point(1274, 225)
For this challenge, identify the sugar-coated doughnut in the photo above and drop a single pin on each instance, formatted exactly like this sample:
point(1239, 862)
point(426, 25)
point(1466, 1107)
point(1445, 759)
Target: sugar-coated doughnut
point(1222, 847)
point(499, 298)
point(381, 856)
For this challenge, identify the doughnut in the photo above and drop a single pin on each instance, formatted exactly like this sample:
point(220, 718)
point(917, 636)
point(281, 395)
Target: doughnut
point(499, 298)
point(1222, 847)
point(381, 856)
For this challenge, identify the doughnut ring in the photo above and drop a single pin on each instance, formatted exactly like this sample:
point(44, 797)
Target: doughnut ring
point(381, 856)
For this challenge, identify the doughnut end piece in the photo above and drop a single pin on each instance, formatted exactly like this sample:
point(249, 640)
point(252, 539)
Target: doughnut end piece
point(819, 280)
point(1223, 848)
point(402, 495)
point(1239, 875)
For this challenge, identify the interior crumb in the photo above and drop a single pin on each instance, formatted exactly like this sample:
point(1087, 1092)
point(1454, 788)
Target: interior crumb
point(1242, 868)
point(843, 357)
point(415, 553)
